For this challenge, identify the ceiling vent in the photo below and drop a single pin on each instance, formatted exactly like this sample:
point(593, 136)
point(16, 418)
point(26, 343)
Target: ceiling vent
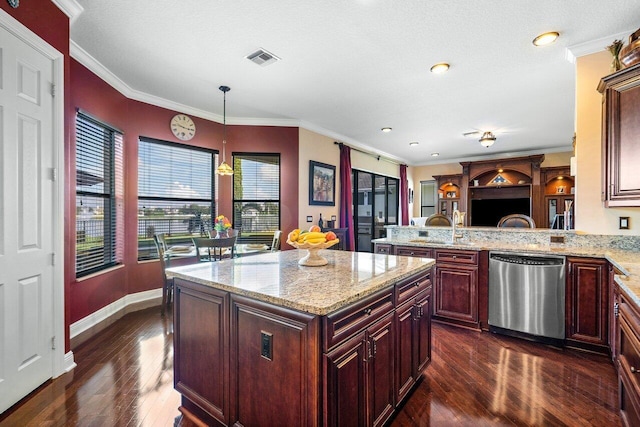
point(262, 57)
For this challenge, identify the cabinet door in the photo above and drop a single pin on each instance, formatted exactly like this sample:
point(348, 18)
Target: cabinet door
point(201, 328)
point(621, 137)
point(274, 355)
point(587, 300)
point(382, 248)
point(381, 362)
point(456, 294)
point(423, 333)
point(405, 353)
point(344, 393)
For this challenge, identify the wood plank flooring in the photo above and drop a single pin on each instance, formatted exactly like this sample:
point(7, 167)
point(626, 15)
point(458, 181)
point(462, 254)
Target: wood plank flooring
point(125, 378)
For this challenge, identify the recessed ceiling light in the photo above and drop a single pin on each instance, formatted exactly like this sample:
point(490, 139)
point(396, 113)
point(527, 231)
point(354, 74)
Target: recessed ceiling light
point(414, 143)
point(386, 130)
point(440, 68)
point(546, 38)
point(435, 154)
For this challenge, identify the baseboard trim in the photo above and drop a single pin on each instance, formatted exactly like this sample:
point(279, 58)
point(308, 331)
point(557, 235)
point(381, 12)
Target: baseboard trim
point(90, 325)
point(69, 362)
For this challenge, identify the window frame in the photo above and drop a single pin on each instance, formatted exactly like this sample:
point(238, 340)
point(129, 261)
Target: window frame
point(181, 239)
point(112, 197)
point(243, 237)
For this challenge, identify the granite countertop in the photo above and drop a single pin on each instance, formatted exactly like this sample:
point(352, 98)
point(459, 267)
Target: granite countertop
point(627, 263)
point(277, 278)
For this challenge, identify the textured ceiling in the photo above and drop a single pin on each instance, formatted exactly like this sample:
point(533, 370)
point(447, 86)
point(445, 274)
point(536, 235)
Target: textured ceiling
point(351, 67)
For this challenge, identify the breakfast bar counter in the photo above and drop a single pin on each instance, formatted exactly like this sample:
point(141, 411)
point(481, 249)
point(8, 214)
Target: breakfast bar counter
point(262, 340)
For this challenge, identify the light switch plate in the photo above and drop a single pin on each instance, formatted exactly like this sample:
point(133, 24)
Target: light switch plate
point(624, 223)
point(309, 218)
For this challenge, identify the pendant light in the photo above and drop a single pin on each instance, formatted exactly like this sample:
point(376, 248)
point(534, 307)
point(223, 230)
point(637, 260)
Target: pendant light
point(224, 169)
point(487, 139)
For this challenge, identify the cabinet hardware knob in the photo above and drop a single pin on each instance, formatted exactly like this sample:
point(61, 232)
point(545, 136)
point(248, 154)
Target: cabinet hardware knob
point(411, 254)
point(633, 370)
point(417, 284)
point(367, 311)
point(454, 257)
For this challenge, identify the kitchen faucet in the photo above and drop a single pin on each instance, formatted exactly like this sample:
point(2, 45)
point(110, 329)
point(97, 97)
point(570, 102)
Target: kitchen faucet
point(455, 217)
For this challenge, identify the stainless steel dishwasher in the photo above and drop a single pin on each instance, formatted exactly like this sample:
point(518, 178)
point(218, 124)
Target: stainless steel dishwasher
point(526, 294)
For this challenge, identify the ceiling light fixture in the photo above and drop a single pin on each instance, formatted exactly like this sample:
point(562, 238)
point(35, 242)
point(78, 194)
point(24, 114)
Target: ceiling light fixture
point(224, 169)
point(546, 38)
point(386, 130)
point(435, 154)
point(414, 143)
point(440, 68)
point(487, 139)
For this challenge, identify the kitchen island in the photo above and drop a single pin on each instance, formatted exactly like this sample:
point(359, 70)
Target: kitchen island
point(263, 341)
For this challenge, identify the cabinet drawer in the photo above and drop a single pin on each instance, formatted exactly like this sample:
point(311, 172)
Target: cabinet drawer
point(411, 287)
point(382, 248)
point(457, 257)
point(350, 320)
point(629, 360)
point(414, 251)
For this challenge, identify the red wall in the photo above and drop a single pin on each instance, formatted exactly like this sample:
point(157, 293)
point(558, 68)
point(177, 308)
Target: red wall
point(85, 90)
point(90, 93)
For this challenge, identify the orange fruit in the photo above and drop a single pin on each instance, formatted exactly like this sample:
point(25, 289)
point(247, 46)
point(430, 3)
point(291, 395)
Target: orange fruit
point(314, 228)
point(330, 236)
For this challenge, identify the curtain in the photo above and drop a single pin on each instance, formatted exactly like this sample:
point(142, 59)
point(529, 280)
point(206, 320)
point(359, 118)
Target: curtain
point(346, 196)
point(404, 195)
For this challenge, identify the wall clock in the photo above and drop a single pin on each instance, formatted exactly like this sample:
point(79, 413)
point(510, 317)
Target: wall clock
point(14, 3)
point(183, 127)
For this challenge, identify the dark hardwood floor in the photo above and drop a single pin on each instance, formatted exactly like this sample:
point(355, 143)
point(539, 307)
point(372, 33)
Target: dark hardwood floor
point(124, 377)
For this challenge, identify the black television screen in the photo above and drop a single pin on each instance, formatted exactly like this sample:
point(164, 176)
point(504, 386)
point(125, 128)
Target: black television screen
point(487, 212)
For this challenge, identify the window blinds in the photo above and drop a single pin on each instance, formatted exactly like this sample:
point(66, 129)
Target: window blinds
point(99, 195)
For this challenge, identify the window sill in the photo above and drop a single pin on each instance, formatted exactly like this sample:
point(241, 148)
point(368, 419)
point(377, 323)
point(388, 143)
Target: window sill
point(99, 273)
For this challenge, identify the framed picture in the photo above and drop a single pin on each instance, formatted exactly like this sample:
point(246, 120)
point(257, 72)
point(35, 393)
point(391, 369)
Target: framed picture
point(322, 184)
point(560, 189)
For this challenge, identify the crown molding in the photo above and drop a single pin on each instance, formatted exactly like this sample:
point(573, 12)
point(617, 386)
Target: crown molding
point(499, 155)
point(598, 45)
point(71, 8)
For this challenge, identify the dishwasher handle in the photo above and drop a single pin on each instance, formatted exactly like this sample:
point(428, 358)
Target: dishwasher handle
point(527, 260)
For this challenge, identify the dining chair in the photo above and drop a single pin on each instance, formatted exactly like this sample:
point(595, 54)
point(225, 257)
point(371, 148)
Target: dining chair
point(438, 220)
point(208, 249)
point(517, 221)
point(167, 286)
point(275, 244)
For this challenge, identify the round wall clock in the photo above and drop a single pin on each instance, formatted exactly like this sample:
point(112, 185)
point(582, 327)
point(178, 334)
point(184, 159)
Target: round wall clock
point(183, 127)
point(14, 3)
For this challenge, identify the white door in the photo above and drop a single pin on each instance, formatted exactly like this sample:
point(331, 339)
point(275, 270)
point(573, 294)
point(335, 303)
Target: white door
point(26, 219)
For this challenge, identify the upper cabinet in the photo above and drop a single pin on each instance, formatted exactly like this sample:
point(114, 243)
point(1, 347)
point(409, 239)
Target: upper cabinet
point(621, 137)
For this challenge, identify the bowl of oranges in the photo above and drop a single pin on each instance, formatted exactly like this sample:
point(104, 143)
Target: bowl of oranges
point(312, 240)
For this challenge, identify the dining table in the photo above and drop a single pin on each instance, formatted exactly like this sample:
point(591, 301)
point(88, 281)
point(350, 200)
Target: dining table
point(189, 251)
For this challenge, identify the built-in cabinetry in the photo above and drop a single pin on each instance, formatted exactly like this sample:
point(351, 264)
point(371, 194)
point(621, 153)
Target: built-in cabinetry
point(449, 193)
point(621, 137)
point(558, 186)
point(241, 361)
point(587, 303)
point(628, 361)
point(457, 292)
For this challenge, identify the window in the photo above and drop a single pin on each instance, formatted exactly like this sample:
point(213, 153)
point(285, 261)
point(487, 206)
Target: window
point(428, 196)
point(176, 190)
point(99, 194)
point(256, 196)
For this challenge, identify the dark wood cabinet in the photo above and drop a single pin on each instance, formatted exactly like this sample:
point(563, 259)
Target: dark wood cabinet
point(587, 303)
point(413, 319)
point(414, 251)
point(456, 287)
point(614, 316)
point(629, 362)
point(201, 372)
point(382, 248)
point(274, 353)
point(621, 137)
point(557, 185)
point(449, 194)
point(241, 361)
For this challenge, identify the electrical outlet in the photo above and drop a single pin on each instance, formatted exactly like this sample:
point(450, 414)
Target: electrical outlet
point(556, 239)
point(266, 345)
point(423, 233)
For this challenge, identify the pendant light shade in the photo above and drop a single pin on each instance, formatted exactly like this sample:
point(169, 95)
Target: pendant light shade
point(487, 139)
point(224, 169)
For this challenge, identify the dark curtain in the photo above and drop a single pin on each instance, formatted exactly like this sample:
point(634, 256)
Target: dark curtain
point(404, 195)
point(346, 197)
